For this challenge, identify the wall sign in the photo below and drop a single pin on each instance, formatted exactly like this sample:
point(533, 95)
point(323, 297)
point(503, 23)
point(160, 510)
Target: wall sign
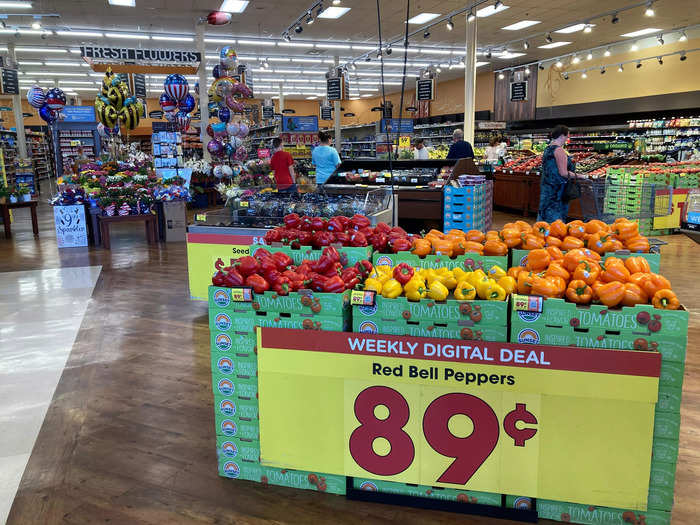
point(10, 82)
point(334, 88)
point(79, 113)
point(404, 125)
point(518, 91)
point(268, 112)
point(425, 89)
point(484, 124)
point(494, 417)
point(300, 124)
point(326, 113)
point(123, 54)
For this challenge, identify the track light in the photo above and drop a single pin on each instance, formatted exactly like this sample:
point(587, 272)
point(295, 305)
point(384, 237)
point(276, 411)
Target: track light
point(607, 52)
point(683, 57)
point(549, 38)
point(634, 47)
point(379, 53)
point(602, 70)
point(388, 49)
point(527, 70)
point(287, 37)
point(540, 66)
point(682, 38)
point(575, 60)
point(661, 60)
point(566, 76)
point(368, 58)
point(336, 2)
point(526, 45)
point(639, 64)
point(309, 18)
point(471, 16)
point(438, 69)
point(353, 66)
point(450, 24)
point(649, 11)
point(488, 54)
point(615, 19)
point(660, 40)
point(497, 4)
point(584, 75)
point(559, 64)
point(589, 56)
point(620, 69)
point(501, 76)
point(426, 34)
point(298, 29)
point(587, 28)
point(36, 24)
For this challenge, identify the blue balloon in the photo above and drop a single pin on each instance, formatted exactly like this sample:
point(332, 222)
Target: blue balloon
point(48, 114)
point(216, 72)
point(224, 114)
point(187, 104)
point(166, 103)
point(229, 149)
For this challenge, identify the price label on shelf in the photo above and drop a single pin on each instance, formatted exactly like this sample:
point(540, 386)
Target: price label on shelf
point(380, 180)
point(494, 417)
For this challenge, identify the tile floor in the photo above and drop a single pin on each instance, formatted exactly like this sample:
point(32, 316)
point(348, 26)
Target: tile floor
point(40, 315)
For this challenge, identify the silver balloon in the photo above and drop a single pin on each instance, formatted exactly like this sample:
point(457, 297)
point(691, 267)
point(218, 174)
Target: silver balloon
point(236, 142)
point(170, 116)
point(224, 87)
point(232, 129)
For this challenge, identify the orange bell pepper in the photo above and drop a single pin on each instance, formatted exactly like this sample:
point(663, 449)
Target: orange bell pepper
point(571, 243)
point(595, 243)
point(654, 283)
point(634, 295)
point(614, 272)
point(611, 294)
point(531, 241)
point(475, 236)
point(492, 235)
point(590, 254)
point(541, 229)
point(612, 245)
point(442, 247)
point(455, 233)
point(576, 229)
point(626, 230)
point(525, 281)
point(436, 233)
point(637, 265)
point(555, 253)
point(473, 247)
point(514, 271)
point(523, 226)
point(596, 226)
point(587, 271)
point(579, 292)
point(665, 299)
point(559, 283)
point(538, 260)
point(511, 237)
point(557, 270)
point(638, 244)
point(639, 279)
point(550, 240)
point(614, 260)
point(544, 287)
point(495, 248)
point(421, 247)
point(573, 258)
point(596, 287)
point(558, 229)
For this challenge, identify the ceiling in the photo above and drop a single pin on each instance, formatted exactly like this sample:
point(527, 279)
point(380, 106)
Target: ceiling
point(302, 72)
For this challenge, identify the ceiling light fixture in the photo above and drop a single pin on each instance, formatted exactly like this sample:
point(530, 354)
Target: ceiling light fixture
point(287, 38)
point(16, 5)
point(566, 76)
point(332, 12)
point(233, 6)
point(80, 33)
point(559, 64)
point(423, 18)
point(683, 37)
point(309, 18)
point(497, 4)
point(471, 16)
point(549, 38)
point(388, 49)
point(607, 52)
point(527, 70)
point(587, 28)
point(683, 57)
point(368, 58)
point(128, 36)
point(122, 3)
point(526, 45)
point(488, 54)
point(615, 19)
point(602, 70)
point(426, 34)
point(521, 25)
point(491, 10)
point(649, 11)
point(660, 40)
point(353, 66)
point(642, 32)
point(620, 69)
point(501, 76)
point(584, 75)
point(298, 29)
point(589, 56)
point(336, 2)
point(660, 60)
point(36, 24)
point(554, 44)
point(540, 66)
point(639, 64)
point(634, 47)
point(575, 60)
point(173, 38)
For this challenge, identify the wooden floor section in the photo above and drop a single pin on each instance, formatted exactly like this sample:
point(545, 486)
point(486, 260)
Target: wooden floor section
point(129, 435)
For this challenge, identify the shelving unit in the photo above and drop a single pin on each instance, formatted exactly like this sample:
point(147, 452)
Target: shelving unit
point(38, 151)
point(68, 143)
point(8, 142)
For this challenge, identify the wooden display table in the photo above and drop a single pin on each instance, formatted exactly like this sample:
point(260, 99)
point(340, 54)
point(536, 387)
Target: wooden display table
point(106, 221)
point(521, 191)
point(5, 210)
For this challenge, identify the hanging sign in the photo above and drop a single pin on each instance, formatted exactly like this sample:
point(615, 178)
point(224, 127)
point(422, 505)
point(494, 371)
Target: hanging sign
point(404, 142)
point(425, 89)
point(394, 125)
point(473, 415)
point(79, 113)
point(334, 88)
point(130, 60)
point(140, 85)
point(518, 91)
point(326, 113)
point(268, 112)
point(300, 124)
point(485, 124)
point(10, 82)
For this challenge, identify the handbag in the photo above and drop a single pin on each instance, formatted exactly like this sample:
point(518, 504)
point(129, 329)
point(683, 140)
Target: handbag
point(572, 190)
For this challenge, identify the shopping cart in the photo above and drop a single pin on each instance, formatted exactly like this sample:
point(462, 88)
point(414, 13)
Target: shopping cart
point(607, 199)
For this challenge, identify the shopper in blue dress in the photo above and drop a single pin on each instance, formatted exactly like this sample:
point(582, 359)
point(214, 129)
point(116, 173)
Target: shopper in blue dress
point(557, 167)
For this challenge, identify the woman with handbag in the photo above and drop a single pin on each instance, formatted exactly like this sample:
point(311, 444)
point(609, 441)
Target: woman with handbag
point(557, 184)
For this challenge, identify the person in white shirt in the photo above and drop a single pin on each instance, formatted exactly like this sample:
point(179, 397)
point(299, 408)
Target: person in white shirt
point(420, 152)
point(492, 151)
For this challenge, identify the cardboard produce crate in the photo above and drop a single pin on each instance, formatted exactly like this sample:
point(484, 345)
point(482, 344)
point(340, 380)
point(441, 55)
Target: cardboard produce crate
point(424, 491)
point(471, 261)
point(519, 258)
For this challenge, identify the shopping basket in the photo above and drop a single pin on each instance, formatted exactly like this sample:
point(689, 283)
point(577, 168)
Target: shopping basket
point(606, 200)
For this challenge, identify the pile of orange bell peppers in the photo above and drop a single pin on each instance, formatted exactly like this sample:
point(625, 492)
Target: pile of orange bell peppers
point(580, 276)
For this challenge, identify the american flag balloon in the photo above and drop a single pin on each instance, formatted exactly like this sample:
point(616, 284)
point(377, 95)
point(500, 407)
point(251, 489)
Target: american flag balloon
point(55, 99)
point(167, 103)
point(183, 121)
point(175, 86)
point(36, 96)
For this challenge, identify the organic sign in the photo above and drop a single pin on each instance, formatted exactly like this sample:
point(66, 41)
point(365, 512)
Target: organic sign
point(518, 91)
point(425, 89)
point(493, 417)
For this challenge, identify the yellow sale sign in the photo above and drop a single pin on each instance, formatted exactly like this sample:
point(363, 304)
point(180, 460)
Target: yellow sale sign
point(565, 424)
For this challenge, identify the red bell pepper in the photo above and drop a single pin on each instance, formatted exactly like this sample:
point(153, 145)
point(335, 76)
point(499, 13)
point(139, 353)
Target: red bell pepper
point(274, 235)
point(352, 284)
point(305, 224)
point(332, 253)
point(292, 220)
point(283, 286)
point(382, 227)
point(322, 239)
point(272, 277)
point(364, 267)
point(343, 238)
point(233, 278)
point(257, 283)
point(290, 235)
point(400, 244)
point(366, 231)
point(247, 265)
point(322, 264)
point(304, 269)
point(318, 282)
point(358, 222)
point(403, 273)
point(349, 274)
point(282, 260)
point(333, 285)
point(261, 253)
point(266, 265)
point(358, 239)
point(318, 224)
point(380, 242)
point(399, 230)
point(335, 269)
point(219, 279)
point(335, 225)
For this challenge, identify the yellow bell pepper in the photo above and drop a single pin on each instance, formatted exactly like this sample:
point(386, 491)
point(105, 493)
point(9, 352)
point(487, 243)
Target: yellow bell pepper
point(496, 272)
point(465, 291)
point(373, 284)
point(508, 283)
point(437, 291)
point(496, 293)
point(431, 275)
point(450, 281)
point(391, 289)
point(415, 290)
point(460, 274)
point(475, 276)
point(380, 275)
point(443, 271)
point(482, 287)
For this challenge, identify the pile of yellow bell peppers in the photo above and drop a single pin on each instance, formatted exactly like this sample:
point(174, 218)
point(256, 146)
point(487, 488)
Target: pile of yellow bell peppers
point(438, 283)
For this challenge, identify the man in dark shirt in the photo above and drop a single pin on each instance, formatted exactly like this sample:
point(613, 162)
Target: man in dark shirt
point(460, 148)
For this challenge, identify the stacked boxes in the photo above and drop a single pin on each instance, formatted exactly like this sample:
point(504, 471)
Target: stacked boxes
point(640, 328)
point(469, 207)
point(234, 376)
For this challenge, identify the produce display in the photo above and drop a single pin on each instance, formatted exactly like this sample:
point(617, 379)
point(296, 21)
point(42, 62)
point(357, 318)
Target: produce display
point(582, 277)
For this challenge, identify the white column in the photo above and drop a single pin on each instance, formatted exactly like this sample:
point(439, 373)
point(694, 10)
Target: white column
point(336, 116)
point(470, 82)
point(203, 94)
point(281, 104)
point(17, 110)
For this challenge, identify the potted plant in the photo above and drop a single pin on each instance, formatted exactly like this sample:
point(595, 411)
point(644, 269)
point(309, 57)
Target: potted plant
point(4, 194)
point(23, 194)
point(13, 196)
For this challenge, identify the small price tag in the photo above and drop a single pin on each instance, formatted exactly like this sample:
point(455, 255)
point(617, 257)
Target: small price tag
point(380, 179)
point(242, 295)
point(244, 204)
point(200, 217)
point(75, 143)
point(527, 303)
point(362, 297)
point(414, 181)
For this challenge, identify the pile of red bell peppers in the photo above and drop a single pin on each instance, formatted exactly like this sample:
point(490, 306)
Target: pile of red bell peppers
point(355, 231)
point(265, 271)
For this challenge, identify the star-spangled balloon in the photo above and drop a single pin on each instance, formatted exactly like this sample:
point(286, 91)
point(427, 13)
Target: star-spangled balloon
point(48, 114)
point(36, 96)
point(183, 121)
point(167, 103)
point(187, 104)
point(55, 99)
point(176, 86)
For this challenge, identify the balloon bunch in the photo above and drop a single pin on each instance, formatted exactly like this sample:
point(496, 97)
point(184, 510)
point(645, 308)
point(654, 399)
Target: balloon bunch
point(176, 102)
point(115, 105)
point(49, 103)
point(226, 95)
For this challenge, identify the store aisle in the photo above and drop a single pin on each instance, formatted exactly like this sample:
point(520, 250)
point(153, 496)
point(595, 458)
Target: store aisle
point(40, 314)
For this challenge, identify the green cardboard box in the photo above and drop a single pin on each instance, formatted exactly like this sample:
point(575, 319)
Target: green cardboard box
point(424, 491)
point(231, 366)
point(240, 346)
point(234, 388)
point(465, 330)
point(230, 407)
point(235, 468)
point(664, 449)
point(349, 255)
point(246, 323)
point(667, 425)
point(244, 450)
point(669, 398)
point(494, 313)
point(672, 373)
point(241, 429)
point(307, 302)
point(660, 498)
point(467, 262)
point(662, 474)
